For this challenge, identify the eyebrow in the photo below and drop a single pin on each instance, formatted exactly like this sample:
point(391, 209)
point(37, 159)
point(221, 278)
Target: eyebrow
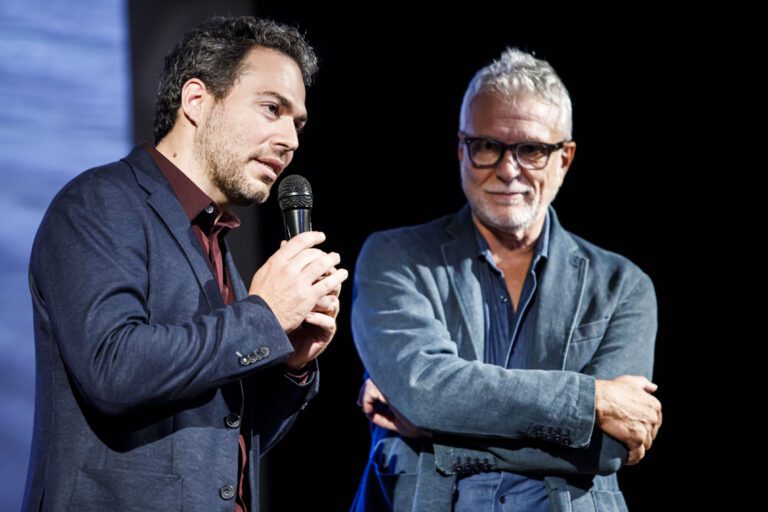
point(285, 103)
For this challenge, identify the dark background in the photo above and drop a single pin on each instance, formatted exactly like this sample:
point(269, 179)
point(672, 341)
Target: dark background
point(380, 152)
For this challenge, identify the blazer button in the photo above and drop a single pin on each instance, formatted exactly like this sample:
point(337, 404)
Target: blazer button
point(245, 361)
point(458, 468)
point(232, 421)
point(227, 492)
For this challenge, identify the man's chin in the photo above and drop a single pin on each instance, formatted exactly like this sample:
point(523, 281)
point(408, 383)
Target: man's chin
point(241, 199)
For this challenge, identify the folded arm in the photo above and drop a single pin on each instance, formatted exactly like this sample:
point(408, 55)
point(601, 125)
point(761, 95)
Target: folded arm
point(626, 348)
point(405, 345)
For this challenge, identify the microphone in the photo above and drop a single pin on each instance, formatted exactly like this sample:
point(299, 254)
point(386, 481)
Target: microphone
point(295, 198)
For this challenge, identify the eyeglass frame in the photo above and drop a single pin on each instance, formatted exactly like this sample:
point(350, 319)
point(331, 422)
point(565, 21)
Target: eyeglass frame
point(551, 148)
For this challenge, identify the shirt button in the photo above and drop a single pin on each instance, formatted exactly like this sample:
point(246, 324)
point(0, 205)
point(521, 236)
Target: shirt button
point(227, 492)
point(209, 208)
point(232, 421)
point(502, 499)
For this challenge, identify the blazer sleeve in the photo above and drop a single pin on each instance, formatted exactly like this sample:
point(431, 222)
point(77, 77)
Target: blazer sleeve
point(626, 349)
point(282, 403)
point(409, 353)
point(90, 284)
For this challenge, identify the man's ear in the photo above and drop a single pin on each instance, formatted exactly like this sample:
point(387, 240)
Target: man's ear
point(194, 96)
point(566, 157)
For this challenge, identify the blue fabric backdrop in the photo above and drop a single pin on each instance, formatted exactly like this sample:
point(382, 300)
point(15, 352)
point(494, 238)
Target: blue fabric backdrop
point(64, 107)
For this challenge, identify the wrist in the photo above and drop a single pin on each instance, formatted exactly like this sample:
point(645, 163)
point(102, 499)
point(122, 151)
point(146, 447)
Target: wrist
point(297, 367)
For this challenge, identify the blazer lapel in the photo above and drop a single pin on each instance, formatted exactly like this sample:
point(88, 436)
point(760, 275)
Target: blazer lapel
point(559, 299)
point(460, 256)
point(162, 199)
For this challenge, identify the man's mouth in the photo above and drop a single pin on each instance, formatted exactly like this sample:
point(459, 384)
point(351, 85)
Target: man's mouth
point(273, 167)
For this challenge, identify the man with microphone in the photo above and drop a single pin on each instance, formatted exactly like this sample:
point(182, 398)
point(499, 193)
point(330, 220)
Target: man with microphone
point(161, 378)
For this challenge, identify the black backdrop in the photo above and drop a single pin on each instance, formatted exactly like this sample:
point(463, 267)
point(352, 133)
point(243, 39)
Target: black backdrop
point(380, 151)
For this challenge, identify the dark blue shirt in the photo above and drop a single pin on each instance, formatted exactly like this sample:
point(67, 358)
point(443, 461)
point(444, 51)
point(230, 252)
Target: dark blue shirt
point(507, 342)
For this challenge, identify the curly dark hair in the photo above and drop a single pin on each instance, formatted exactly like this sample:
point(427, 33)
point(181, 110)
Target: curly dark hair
point(214, 53)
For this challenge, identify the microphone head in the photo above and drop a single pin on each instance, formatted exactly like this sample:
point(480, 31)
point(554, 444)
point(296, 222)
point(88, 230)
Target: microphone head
point(294, 192)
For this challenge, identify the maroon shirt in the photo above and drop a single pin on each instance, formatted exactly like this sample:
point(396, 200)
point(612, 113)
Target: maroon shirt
point(210, 228)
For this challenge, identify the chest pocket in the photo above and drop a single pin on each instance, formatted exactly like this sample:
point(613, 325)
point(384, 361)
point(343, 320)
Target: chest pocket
point(584, 342)
point(589, 331)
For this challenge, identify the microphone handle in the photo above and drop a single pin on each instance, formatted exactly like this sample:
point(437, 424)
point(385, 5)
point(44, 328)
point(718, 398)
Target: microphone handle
point(296, 221)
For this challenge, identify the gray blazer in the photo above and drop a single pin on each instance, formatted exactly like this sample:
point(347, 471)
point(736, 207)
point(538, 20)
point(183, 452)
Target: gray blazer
point(417, 322)
point(144, 376)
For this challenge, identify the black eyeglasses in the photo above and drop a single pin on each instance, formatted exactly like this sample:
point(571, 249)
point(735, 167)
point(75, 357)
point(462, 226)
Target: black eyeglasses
point(485, 152)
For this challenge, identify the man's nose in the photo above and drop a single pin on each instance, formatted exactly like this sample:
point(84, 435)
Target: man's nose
point(287, 137)
point(507, 168)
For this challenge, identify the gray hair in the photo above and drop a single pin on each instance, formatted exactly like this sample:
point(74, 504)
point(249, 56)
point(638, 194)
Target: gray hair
point(515, 75)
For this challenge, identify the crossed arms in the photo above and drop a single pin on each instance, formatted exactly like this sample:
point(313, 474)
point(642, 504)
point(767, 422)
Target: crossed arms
point(403, 331)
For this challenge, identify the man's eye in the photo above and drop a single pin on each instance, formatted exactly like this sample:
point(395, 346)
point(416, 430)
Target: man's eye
point(532, 150)
point(272, 108)
point(488, 145)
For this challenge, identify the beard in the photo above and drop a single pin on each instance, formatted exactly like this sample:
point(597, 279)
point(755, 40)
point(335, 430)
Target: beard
point(510, 219)
point(513, 219)
point(215, 149)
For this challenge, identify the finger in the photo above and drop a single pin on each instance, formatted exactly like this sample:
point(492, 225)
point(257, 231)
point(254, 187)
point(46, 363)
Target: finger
point(300, 242)
point(336, 291)
point(321, 320)
point(328, 304)
point(648, 441)
point(656, 427)
point(367, 406)
point(302, 260)
point(376, 393)
point(326, 285)
point(370, 398)
point(650, 387)
point(635, 455)
point(367, 392)
point(383, 421)
point(637, 381)
point(319, 268)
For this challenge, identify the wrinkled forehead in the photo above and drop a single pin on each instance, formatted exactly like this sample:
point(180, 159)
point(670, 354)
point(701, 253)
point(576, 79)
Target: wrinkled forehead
point(496, 108)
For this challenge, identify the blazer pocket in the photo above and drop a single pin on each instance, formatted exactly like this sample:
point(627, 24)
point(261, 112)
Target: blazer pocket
point(589, 331)
point(129, 491)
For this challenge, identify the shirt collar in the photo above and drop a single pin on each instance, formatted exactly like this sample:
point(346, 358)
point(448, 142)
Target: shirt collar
point(541, 250)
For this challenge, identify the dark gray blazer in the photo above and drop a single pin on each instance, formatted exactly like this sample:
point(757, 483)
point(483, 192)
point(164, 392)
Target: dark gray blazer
point(417, 321)
point(143, 374)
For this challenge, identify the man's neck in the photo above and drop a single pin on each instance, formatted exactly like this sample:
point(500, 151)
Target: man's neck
point(505, 244)
point(181, 154)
